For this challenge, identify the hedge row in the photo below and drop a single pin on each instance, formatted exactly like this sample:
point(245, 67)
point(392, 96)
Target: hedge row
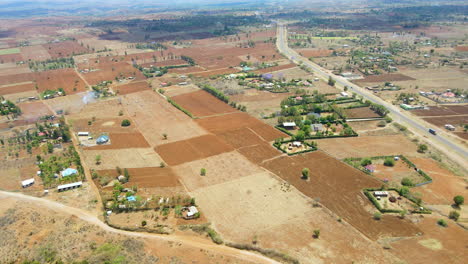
point(374, 201)
point(422, 173)
point(215, 92)
point(314, 136)
point(284, 258)
point(277, 145)
point(179, 107)
point(356, 106)
point(160, 229)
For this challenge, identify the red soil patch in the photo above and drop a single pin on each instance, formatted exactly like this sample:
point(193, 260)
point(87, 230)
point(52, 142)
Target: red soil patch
point(132, 87)
point(361, 112)
point(339, 188)
point(442, 110)
point(109, 71)
point(65, 49)
point(123, 140)
point(17, 88)
point(10, 58)
point(276, 68)
point(461, 48)
point(35, 53)
point(221, 124)
point(443, 120)
point(241, 138)
point(259, 153)
point(147, 177)
point(314, 52)
point(451, 238)
point(67, 79)
point(201, 103)
point(16, 78)
point(391, 77)
point(34, 110)
point(192, 149)
point(445, 185)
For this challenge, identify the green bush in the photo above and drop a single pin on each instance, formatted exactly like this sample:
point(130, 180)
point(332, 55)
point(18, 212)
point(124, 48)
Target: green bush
point(407, 182)
point(305, 173)
point(442, 222)
point(377, 215)
point(125, 123)
point(459, 200)
point(454, 215)
point(366, 161)
point(390, 162)
point(203, 172)
point(422, 148)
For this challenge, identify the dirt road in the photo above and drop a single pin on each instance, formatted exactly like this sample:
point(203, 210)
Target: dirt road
point(189, 241)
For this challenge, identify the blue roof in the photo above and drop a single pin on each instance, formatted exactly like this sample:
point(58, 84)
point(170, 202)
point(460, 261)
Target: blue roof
point(131, 199)
point(68, 172)
point(246, 68)
point(102, 139)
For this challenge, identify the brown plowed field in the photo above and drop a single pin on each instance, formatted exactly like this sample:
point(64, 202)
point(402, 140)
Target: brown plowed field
point(221, 124)
point(442, 110)
point(461, 48)
point(391, 77)
point(367, 146)
point(314, 52)
point(102, 125)
point(276, 68)
point(62, 78)
point(442, 120)
point(361, 112)
point(11, 58)
point(16, 78)
point(339, 188)
point(65, 49)
point(242, 137)
point(259, 153)
point(132, 87)
point(35, 53)
point(123, 140)
point(17, 88)
point(201, 103)
point(192, 149)
point(34, 110)
point(463, 135)
point(147, 177)
point(109, 71)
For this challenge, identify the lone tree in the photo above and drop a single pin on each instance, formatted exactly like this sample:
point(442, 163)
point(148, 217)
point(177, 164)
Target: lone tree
point(377, 216)
point(164, 136)
point(366, 161)
point(389, 162)
point(422, 148)
point(305, 173)
point(454, 215)
point(459, 200)
point(98, 159)
point(125, 123)
point(316, 233)
point(203, 172)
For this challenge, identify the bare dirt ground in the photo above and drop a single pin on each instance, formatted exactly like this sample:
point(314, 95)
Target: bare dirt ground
point(165, 118)
point(123, 141)
point(329, 177)
point(445, 184)
point(34, 110)
point(260, 102)
point(11, 89)
point(201, 104)
point(92, 233)
point(219, 169)
point(362, 112)
point(132, 87)
point(148, 177)
point(124, 158)
point(367, 146)
point(436, 245)
point(391, 77)
point(252, 204)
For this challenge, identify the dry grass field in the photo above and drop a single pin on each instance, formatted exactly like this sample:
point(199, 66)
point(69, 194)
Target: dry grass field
point(124, 158)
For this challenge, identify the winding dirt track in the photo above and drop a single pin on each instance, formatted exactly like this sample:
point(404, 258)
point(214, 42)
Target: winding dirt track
point(92, 219)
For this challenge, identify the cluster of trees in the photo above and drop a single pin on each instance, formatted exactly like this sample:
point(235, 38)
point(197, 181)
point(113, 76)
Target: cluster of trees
point(188, 59)
point(7, 107)
point(215, 92)
point(52, 64)
point(153, 46)
point(51, 167)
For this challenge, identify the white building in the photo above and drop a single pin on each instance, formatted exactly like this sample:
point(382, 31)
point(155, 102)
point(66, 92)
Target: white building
point(69, 186)
point(27, 183)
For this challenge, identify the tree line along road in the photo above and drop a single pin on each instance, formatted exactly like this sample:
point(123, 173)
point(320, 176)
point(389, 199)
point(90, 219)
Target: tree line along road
point(456, 152)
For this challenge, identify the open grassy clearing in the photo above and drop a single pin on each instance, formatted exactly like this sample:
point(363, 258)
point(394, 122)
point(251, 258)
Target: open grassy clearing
point(124, 158)
point(9, 51)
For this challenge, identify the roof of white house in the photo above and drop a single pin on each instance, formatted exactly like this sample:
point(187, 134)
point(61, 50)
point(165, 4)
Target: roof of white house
point(381, 193)
point(297, 143)
point(192, 210)
point(289, 124)
point(69, 185)
point(27, 182)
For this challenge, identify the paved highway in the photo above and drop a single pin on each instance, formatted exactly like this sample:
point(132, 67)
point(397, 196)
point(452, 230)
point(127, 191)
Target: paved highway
point(455, 151)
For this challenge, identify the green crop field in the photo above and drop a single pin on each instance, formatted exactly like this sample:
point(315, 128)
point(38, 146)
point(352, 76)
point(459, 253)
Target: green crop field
point(9, 51)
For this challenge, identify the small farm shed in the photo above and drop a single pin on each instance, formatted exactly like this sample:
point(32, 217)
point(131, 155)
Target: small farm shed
point(27, 183)
point(191, 212)
point(83, 134)
point(380, 193)
point(289, 125)
point(370, 168)
point(69, 186)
